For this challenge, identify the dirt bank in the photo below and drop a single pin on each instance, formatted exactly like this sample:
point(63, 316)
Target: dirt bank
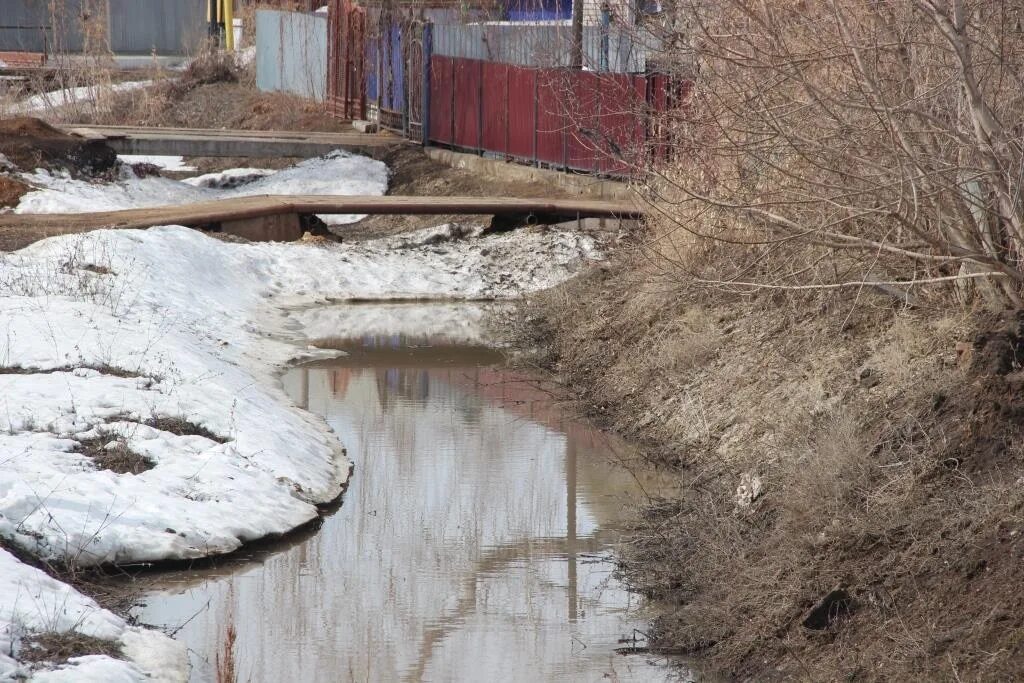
point(854, 508)
point(29, 143)
point(216, 99)
point(414, 173)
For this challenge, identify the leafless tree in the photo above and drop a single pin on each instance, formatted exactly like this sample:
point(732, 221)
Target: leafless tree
point(888, 129)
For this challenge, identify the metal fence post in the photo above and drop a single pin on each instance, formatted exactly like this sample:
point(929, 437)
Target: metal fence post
point(480, 109)
point(606, 22)
point(536, 110)
point(428, 50)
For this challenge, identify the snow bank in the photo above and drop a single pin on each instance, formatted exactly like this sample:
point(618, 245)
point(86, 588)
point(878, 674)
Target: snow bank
point(32, 602)
point(336, 173)
point(121, 328)
point(60, 98)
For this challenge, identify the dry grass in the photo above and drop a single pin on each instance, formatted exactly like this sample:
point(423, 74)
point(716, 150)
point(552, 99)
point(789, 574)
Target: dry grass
point(58, 648)
point(102, 368)
point(183, 427)
point(885, 457)
point(209, 66)
point(111, 453)
point(219, 105)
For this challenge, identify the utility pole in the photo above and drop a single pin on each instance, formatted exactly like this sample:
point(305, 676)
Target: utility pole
point(577, 34)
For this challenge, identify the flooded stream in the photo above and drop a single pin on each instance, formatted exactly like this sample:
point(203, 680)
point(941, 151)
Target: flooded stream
point(474, 541)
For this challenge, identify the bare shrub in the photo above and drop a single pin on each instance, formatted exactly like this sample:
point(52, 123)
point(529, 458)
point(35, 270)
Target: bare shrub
point(886, 130)
point(210, 65)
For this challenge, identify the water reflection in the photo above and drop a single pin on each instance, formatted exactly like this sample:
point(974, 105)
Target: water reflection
point(473, 541)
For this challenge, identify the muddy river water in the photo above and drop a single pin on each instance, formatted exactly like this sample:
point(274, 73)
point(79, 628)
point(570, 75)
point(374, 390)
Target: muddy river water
point(474, 543)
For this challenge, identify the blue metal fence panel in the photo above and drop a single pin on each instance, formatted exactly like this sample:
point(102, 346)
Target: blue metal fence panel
point(372, 78)
point(394, 93)
point(291, 53)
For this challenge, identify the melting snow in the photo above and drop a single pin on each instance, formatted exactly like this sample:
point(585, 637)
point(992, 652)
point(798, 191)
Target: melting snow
point(170, 343)
point(32, 602)
point(113, 329)
point(336, 173)
point(166, 162)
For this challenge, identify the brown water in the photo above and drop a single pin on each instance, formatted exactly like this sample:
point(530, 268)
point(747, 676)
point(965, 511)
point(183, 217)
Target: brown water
point(474, 542)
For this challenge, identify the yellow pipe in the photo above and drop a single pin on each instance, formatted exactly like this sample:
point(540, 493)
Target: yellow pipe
point(229, 25)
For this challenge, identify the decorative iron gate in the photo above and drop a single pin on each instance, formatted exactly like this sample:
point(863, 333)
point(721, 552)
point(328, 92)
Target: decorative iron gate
point(346, 60)
point(396, 70)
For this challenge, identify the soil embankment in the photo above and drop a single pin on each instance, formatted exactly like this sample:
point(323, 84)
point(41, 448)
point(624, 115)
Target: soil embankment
point(28, 143)
point(853, 507)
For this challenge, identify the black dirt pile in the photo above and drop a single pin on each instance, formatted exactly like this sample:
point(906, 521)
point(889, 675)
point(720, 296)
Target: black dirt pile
point(29, 143)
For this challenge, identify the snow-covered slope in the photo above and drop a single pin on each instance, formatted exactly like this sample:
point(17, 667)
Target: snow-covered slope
point(32, 602)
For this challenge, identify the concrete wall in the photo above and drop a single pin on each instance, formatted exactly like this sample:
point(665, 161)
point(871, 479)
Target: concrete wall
point(291, 53)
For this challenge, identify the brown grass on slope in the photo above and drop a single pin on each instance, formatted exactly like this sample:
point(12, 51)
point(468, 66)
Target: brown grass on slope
point(886, 441)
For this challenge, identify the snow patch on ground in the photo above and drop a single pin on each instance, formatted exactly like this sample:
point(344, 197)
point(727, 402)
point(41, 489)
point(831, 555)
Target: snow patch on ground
point(60, 98)
point(112, 330)
point(337, 173)
point(166, 162)
point(32, 602)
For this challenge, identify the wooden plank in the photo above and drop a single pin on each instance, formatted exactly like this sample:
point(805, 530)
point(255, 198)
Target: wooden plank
point(239, 208)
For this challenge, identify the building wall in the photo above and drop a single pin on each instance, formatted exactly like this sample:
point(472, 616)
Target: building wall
point(164, 26)
point(167, 27)
point(29, 26)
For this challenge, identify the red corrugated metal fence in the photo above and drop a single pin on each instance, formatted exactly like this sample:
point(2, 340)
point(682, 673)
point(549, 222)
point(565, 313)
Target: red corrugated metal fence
point(589, 121)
